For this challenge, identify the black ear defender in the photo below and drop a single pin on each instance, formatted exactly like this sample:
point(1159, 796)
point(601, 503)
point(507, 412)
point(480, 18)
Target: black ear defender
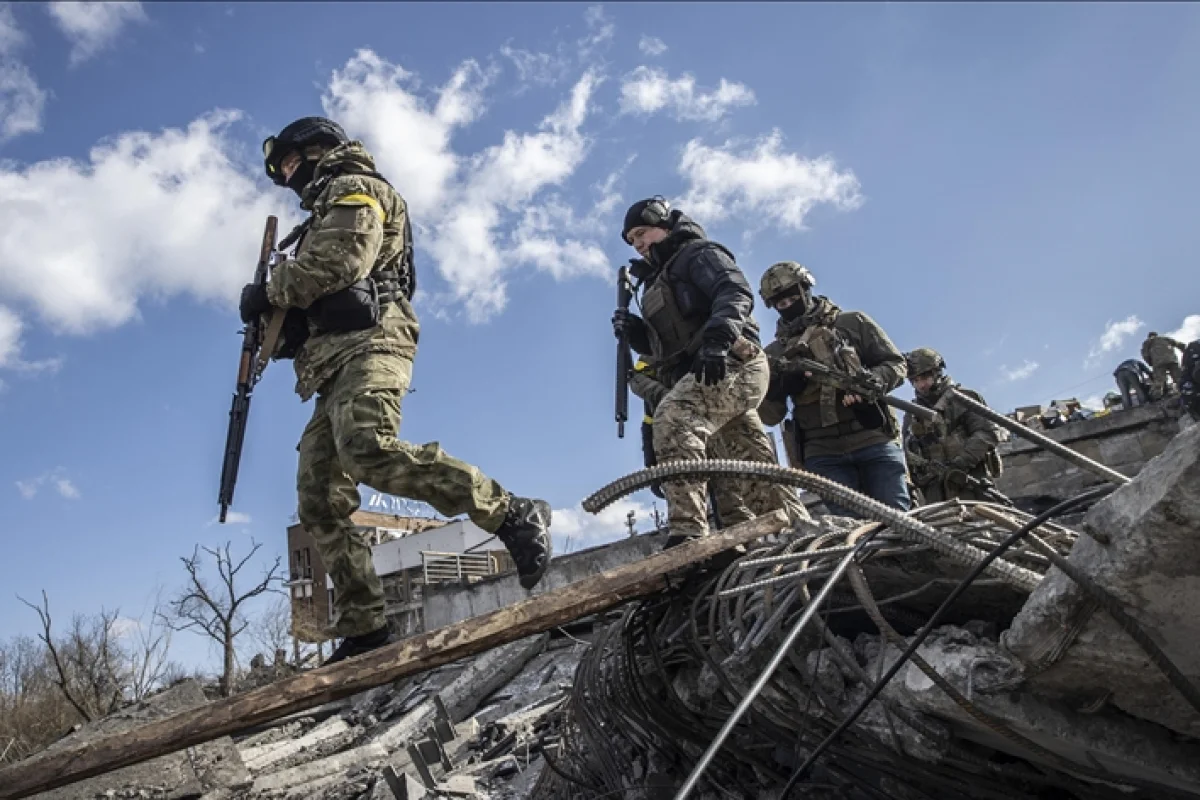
point(656, 210)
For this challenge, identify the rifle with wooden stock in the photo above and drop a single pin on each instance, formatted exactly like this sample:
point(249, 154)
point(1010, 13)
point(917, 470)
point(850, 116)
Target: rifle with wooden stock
point(259, 339)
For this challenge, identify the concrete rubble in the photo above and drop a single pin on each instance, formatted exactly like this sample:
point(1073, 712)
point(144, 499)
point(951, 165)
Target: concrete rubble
point(1032, 695)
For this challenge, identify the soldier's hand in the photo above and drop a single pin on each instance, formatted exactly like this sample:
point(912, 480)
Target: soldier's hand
point(851, 399)
point(711, 365)
point(254, 302)
point(624, 322)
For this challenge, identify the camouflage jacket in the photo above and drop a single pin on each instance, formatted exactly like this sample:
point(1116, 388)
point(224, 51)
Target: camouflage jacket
point(823, 424)
point(1159, 350)
point(957, 438)
point(357, 227)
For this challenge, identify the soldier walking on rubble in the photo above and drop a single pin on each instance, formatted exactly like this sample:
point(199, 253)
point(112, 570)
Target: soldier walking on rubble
point(838, 435)
point(703, 343)
point(1159, 353)
point(352, 275)
point(954, 455)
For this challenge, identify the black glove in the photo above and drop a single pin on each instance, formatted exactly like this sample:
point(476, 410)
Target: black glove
point(254, 301)
point(792, 381)
point(711, 364)
point(624, 322)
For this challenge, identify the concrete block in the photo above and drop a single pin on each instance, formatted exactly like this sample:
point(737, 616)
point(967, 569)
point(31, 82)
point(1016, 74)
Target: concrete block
point(1125, 449)
point(206, 768)
point(1152, 564)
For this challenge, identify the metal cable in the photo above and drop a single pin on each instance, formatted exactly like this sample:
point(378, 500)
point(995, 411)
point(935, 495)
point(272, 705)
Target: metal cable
point(909, 527)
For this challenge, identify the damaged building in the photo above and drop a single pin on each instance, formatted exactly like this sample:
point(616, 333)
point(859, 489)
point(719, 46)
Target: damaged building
point(911, 656)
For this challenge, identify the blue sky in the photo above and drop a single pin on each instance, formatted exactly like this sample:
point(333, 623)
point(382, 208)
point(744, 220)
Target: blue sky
point(1011, 184)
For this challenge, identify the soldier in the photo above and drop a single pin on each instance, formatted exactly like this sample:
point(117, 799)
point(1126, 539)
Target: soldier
point(734, 500)
point(955, 454)
point(352, 275)
point(837, 435)
point(1159, 353)
point(1133, 379)
point(703, 343)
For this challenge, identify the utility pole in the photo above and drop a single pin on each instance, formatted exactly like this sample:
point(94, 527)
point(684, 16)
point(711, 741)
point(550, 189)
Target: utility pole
point(629, 523)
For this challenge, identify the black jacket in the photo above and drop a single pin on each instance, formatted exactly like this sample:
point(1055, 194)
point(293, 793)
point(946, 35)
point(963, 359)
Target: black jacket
point(705, 279)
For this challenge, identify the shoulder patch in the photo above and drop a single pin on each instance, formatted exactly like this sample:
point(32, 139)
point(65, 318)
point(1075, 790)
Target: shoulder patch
point(360, 199)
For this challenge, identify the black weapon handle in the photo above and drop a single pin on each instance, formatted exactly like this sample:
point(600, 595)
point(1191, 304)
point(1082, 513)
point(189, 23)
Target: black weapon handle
point(624, 297)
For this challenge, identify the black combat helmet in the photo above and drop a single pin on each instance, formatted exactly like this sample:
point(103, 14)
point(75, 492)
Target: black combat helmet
point(303, 133)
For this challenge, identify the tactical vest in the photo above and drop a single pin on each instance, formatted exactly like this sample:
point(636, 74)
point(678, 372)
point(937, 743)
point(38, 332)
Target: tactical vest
point(945, 437)
point(817, 410)
point(675, 335)
point(360, 305)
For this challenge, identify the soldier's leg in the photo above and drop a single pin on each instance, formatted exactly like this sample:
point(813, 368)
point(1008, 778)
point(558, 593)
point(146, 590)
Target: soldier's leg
point(728, 493)
point(1125, 385)
point(1158, 388)
point(839, 469)
point(365, 414)
point(327, 498)
point(881, 473)
point(745, 439)
point(1173, 371)
point(683, 423)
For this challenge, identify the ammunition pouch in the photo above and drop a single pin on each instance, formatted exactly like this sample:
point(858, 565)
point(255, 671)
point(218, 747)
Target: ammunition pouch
point(294, 334)
point(359, 306)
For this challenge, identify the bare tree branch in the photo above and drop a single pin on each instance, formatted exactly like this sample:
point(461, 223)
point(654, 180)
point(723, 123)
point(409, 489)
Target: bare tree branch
point(218, 613)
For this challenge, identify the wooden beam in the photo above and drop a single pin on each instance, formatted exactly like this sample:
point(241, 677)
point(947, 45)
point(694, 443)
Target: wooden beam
point(416, 654)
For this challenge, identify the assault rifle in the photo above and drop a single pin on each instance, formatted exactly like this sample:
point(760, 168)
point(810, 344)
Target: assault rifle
point(624, 358)
point(863, 384)
point(981, 486)
point(259, 338)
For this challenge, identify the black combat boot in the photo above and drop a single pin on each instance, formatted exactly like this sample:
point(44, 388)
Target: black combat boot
point(526, 533)
point(353, 646)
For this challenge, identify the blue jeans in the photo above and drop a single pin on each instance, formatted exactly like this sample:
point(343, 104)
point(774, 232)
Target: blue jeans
point(877, 471)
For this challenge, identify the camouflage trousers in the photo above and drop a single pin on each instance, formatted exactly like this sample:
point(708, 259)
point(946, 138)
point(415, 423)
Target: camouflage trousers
point(690, 418)
point(351, 439)
point(1159, 373)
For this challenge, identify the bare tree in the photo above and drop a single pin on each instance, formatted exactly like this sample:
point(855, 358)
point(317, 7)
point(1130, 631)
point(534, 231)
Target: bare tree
point(87, 662)
point(147, 651)
point(217, 612)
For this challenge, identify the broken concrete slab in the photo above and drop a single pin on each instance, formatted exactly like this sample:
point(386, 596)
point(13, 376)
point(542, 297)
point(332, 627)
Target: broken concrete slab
point(1152, 564)
point(329, 734)
point(190, 773)
point(333, 765)
point(463, 695)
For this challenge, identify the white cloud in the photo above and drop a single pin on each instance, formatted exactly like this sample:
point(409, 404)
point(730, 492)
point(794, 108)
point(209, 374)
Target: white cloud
point(22, 101)
point(93, 26)
point(760, 180)
point(575, 529)
point(56, 478)
point(600, 33)
point(10, 336)
point(412, 141)
point(652, 46)
point(647, 90)
point(231, 518)
point(1018, 373)
point(1115, 334)
point(1189, 331)
point(148, 215)
point(540, 69)
point(10, 347)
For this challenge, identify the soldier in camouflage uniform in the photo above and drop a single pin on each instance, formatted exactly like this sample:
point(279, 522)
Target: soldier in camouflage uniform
point(703, 343)
point(350, 281)
point(958, 443)
point(734, 499)
point(836, 435)
point(1159, 353)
